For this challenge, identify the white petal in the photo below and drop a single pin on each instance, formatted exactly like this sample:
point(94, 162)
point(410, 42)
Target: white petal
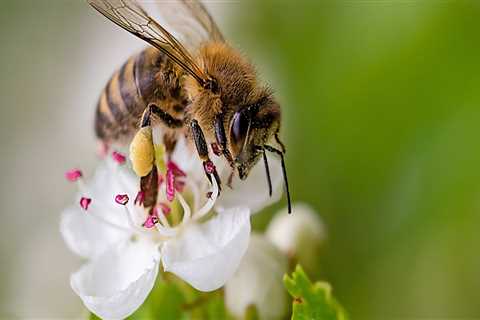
point(110, 180)
point(206, 255)
point(85, 235)
point(115, 284)
point(299, 234)
point(258, 281)
point(253, 192)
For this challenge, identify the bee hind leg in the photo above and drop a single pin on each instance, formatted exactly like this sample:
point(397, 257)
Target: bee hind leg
point(202, 149)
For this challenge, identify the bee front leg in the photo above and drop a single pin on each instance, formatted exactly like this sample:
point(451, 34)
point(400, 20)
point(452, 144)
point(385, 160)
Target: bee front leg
point(222, 142)
point(202, 150)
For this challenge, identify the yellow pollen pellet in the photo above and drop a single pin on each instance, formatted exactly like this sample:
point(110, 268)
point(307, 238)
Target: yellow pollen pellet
point(142, 152)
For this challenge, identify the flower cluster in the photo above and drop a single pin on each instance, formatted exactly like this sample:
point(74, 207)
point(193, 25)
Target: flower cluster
point(193, 232)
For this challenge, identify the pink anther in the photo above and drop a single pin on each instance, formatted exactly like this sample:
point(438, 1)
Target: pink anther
point(176, 169)
point(85, 202)
point(118, 157)
point(151, 221)
point(170, 185)
point(121, 199)
point(73, 175)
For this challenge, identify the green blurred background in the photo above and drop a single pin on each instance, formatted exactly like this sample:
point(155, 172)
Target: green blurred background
point(381, 107)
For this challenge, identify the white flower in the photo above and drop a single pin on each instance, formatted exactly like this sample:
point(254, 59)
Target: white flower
point(125, 244)
point(298, 235)
point(258, 281)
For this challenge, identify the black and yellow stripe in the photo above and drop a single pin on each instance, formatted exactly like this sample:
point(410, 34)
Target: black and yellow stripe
point(144, 78)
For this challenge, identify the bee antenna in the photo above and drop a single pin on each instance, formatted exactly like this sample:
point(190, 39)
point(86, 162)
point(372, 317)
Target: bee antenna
point(267, 171)
point(284, 171)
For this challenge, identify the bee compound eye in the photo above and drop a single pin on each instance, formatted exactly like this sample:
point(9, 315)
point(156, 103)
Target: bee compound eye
point(240, 124)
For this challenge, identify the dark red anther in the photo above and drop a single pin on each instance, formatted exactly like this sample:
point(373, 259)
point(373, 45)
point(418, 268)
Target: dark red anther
point(216, 149)
point(118, 157)
point(139, 198)
point(176, 169)
point(209, 194)
point(209, 167)
point(121, 199)
point(73, 175)
point(85, 202)
point(170, 190)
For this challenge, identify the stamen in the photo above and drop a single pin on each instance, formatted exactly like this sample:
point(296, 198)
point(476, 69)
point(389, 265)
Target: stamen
point(151, 221)
point(176, 169)
point(85, 202)
point(121, 199)
point(73, 175)
point(196, 194)
point(170, 190)
point(187, 213)
point(166, 232)
point(161, 216)
point(139, 198)
point(210, 202)
point(118, 157)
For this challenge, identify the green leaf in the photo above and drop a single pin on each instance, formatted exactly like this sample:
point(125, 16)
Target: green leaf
point(312, 301)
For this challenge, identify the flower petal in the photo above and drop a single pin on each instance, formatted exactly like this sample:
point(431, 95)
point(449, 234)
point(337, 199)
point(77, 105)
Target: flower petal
point(258, 281)
point(206, 255)
point(85, 235)
point(115, 284)
point(110, 180)
point(298, 235)
point(253, 192)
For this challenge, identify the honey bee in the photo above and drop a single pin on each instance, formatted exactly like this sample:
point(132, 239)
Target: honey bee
point(201, 88)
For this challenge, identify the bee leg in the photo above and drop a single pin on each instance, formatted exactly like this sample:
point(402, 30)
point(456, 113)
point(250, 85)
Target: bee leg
point(284, 171)
point(222, 139)
point(202, 149)
point(165, 117)
point(222, 142)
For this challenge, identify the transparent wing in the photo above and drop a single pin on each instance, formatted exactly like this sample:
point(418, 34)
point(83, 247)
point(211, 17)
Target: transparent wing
point(129, 15)
point(191, 21)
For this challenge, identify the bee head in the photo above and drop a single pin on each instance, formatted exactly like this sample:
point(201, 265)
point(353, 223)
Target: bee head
point(250, 128)
point(243, 113)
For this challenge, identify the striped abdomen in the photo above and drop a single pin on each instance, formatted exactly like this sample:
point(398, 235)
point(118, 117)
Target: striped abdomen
point(149, 77)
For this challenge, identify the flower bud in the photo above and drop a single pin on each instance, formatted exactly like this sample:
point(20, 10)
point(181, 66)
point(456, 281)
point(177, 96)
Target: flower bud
point(258, 282)
point(298, 235)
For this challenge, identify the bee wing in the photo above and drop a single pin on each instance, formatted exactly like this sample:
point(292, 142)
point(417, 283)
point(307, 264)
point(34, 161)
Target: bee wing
point(129, 15)
point(191, 21)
